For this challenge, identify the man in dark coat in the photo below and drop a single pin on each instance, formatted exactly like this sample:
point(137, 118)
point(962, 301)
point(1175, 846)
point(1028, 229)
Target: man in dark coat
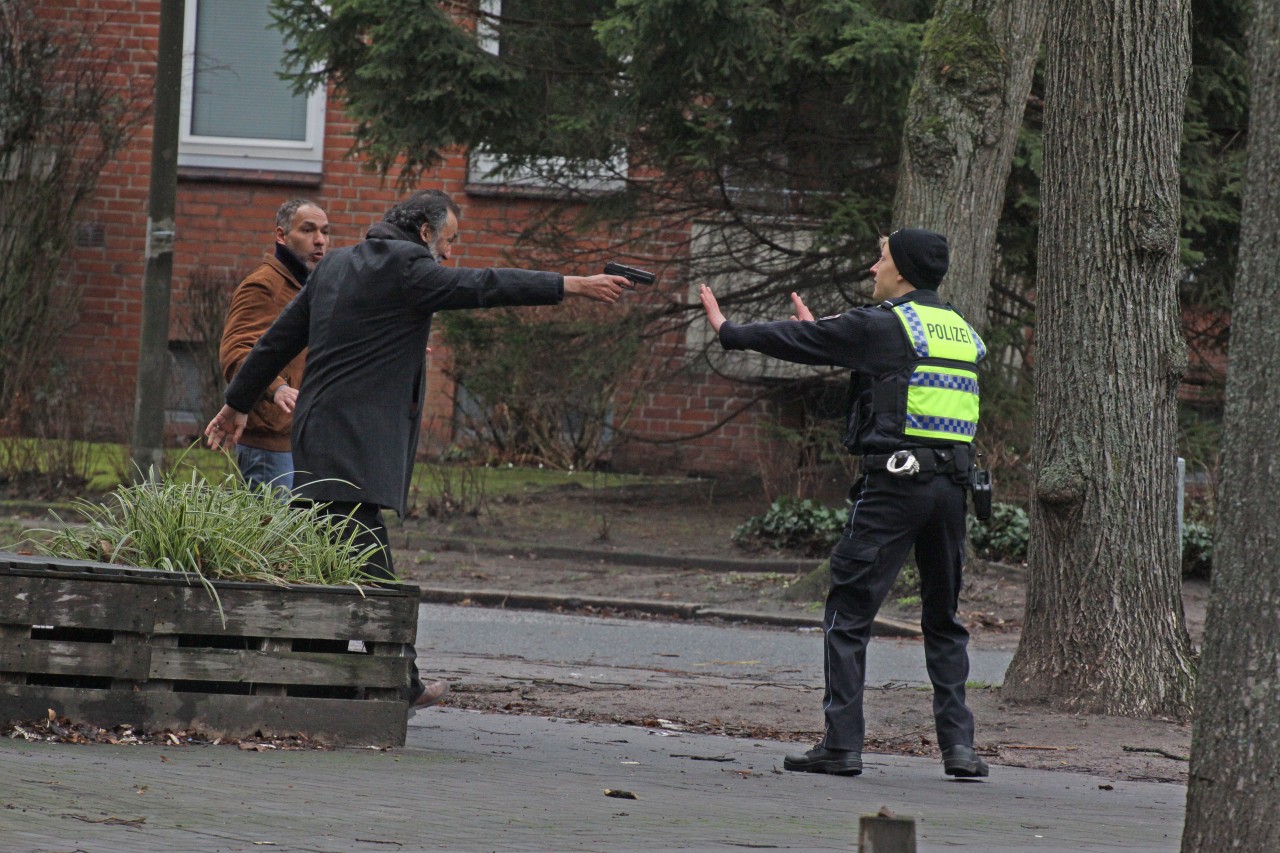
point(365, 316)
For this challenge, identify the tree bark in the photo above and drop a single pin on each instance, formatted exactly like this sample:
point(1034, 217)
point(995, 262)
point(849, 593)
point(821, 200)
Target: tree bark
point(1233, 794)
point(1104, 629)
point(963, 117)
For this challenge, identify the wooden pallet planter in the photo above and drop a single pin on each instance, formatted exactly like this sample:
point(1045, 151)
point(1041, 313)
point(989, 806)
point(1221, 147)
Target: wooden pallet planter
point(111, 645)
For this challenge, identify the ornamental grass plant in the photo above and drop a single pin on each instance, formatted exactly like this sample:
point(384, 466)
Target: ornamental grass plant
point(218, 531)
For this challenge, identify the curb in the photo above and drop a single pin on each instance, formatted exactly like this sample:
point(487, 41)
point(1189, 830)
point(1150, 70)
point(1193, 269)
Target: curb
point(602, 555)
point(882, 627)
point(35, 509)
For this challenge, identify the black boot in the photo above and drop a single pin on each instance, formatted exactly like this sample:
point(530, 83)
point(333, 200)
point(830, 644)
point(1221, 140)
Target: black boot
point(963, 763)
point(838, 762)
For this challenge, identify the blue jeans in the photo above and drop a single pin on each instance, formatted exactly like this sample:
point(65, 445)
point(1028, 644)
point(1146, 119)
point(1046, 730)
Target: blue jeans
point(265, 467)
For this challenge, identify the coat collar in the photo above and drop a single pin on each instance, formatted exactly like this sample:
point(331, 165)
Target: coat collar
point(292, 263)
point(386, 231)
point(921, 295)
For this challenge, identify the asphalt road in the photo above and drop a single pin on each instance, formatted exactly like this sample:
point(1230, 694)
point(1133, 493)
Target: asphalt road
point(467, 781)
point(487, 641)
point(483, 782)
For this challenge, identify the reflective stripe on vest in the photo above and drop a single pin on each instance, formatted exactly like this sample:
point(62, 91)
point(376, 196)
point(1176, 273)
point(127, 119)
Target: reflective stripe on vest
point(942, 392)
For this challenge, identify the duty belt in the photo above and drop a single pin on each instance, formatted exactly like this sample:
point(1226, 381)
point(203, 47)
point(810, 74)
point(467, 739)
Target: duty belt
point(910, 461)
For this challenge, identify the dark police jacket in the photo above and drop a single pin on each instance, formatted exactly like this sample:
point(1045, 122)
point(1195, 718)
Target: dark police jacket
point(365, 314)
point(868, 341)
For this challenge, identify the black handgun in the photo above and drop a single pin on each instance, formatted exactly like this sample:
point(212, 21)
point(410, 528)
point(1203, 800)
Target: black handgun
point(632, 274)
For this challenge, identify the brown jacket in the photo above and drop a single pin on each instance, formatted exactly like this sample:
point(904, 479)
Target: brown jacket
point(257, 302)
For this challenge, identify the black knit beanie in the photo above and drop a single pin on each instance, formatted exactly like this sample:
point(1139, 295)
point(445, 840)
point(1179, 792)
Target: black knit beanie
point(920, 255)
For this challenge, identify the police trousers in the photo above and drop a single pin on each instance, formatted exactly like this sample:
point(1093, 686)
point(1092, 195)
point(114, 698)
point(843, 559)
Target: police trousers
point(889, 516)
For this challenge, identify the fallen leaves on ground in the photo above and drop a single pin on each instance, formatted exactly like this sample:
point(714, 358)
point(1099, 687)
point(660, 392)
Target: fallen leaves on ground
point(59, 729)
point(620, 794)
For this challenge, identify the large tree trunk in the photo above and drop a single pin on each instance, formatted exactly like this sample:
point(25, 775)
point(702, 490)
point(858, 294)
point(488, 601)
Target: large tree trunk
point(1104, 629)
point(963, 117)
point(1233, 797)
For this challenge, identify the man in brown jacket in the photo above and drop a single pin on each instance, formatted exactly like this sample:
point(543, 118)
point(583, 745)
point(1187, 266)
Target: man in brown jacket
point(302, 237)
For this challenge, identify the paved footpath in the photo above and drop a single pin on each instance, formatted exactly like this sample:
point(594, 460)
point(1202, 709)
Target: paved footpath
point(475, 782)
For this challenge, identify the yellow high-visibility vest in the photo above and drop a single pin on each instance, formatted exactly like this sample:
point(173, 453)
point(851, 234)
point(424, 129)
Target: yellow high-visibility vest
point(942, 389)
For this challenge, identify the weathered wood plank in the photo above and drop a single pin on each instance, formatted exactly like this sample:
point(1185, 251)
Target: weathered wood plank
point(159, 685)
point(147, 600)
point(10, 560)
point(271, 667)
point(130, 680)
point(271, 644)
point(60, 657)
point(41, 565)
point(290, 612)
point(338, 722)
point(9, 634)
point(384, 650)
point(75, 601)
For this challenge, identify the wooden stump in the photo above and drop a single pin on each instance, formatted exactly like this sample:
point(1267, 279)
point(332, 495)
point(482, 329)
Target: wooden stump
point(886, 833)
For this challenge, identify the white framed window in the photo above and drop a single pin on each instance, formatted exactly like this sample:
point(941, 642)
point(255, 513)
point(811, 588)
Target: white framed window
point(236, 111)
point(483, 165)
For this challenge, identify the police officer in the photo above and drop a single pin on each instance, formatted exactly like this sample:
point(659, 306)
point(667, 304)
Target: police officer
point(913, 416)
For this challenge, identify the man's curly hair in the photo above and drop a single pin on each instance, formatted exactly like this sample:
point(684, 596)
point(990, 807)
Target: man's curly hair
point(429, 206)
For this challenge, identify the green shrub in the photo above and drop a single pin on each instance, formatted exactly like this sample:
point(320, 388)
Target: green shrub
point(544, 389)
point(1004, 536)
point(1197, 550)
point(793, 524)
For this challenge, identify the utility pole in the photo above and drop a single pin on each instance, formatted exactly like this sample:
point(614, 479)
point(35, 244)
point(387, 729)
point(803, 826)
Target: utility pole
point(153, 355)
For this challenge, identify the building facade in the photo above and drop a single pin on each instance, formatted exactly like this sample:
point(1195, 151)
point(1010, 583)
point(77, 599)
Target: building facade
point(247, 143)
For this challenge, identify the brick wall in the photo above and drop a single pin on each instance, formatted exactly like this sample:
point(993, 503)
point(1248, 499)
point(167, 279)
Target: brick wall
point(697, 425)
point(224, 224)
point(104, 343)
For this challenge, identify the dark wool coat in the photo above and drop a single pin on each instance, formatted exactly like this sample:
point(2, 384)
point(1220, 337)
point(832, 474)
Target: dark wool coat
point(364, 315)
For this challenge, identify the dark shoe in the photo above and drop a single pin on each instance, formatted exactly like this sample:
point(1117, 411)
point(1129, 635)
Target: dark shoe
point(837, 762)
point(963, 763)
point(432, 693)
